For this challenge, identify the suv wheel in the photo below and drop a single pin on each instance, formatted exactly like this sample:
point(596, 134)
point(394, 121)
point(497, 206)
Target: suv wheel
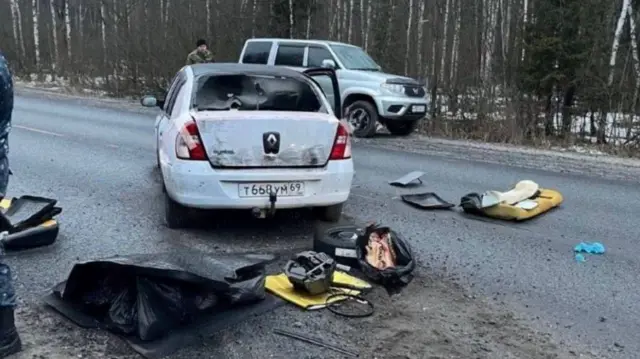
point(363, 116)
point(402, 127)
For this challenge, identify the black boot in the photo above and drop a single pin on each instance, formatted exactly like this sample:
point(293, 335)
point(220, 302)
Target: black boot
point(9, 339)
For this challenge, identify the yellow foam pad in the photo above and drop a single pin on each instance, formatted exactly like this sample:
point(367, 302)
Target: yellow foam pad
point(279, 285)
point(5, 203)
point(547, 200)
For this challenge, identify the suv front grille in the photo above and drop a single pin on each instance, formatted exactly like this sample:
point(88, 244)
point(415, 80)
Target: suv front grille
point(414, 91)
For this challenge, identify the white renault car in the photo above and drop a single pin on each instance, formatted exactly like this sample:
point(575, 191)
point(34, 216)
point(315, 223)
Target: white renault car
point(241, 136)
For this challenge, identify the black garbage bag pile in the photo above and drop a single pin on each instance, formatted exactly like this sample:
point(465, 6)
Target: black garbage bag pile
point(148, 296)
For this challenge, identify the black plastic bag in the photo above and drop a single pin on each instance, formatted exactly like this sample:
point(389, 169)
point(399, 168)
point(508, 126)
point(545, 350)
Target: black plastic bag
point(393, 279)
point(248, 291)
point(471, 203)
point(160, 307)
point(123, 313)
point(148, 296)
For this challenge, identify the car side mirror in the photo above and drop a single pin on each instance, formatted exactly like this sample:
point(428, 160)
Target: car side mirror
point(329, 64)
point(151, 101)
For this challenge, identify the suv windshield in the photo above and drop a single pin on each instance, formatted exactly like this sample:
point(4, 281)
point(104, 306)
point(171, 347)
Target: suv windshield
point(354, 58)
point(263, 93)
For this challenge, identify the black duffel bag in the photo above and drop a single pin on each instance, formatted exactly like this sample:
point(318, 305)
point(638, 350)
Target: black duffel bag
point(393, 279)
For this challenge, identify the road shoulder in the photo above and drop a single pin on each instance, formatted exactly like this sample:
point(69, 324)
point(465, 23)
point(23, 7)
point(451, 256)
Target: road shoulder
point(432, 318)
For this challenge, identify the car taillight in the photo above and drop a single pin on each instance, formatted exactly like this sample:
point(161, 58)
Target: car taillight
point(188, 143)
point(342, 145)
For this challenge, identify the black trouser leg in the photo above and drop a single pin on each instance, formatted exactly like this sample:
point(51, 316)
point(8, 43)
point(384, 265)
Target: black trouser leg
point(9, 339)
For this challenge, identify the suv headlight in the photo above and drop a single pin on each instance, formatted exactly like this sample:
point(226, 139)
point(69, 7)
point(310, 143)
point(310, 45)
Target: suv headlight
point(393, 88)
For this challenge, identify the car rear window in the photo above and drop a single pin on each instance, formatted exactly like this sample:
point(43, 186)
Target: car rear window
point(252, 92)
point(257, 52)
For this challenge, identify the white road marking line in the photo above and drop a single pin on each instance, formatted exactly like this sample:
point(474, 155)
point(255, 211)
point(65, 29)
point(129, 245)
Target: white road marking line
point(52, 133)
point(39, 131)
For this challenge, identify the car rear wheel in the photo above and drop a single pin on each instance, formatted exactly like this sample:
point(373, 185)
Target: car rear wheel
point(363, 116)
point(329, 213)
point(402, 127)
point(175, 215)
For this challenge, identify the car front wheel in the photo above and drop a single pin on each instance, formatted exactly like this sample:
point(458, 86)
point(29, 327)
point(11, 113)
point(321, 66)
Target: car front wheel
point(363, 117)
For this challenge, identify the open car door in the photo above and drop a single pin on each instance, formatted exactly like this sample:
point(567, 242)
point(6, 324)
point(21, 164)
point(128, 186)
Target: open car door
point(327, 80)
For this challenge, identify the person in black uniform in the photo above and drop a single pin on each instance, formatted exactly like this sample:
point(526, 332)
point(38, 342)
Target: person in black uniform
point(9, 339)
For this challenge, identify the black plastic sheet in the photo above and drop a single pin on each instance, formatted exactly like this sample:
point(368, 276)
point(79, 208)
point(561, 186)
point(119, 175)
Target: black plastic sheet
point(148, 296)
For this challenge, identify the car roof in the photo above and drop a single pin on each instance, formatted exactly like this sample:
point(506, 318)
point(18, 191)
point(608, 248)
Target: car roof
point(231, 68)
point(300, 41)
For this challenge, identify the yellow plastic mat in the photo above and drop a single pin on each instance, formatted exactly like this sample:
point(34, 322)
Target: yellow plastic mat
point(280, 286)
point(547, 200)
point(5, 203)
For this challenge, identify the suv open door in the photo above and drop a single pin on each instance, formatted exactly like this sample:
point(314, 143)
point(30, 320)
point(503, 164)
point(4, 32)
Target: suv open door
point(326, 79)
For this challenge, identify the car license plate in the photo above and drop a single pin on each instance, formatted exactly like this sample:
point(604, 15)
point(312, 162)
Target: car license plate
point(418, 108)
point(281, 189)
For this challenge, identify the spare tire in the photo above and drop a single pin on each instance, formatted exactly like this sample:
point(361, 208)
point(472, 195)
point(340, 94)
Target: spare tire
point(339, 242)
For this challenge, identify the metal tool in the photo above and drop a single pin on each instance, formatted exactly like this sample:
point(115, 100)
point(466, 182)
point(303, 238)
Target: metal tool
point(315, 342)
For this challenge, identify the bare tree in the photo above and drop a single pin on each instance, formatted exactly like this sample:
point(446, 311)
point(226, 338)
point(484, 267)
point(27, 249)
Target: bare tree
point(36, 33)
point(55, 60)
point(408, 41)
point(499, 69)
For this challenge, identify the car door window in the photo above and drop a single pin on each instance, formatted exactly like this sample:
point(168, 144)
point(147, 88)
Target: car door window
point(323, 81)
point(172, 89)
point(290, 55)
point(317, 55)
point(171, 100)
point(257, 52)
point(177, 94)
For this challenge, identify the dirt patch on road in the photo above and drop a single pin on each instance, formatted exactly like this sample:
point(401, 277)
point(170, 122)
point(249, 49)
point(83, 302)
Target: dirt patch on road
point(47, 336)
point(435, 320)
point(430, 319)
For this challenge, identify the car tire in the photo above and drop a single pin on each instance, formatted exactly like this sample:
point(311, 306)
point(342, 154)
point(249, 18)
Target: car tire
point(338, 242)
point(369, 128)
point(175, 215)
point(402, 127)
point(164, 187)
point(330, 213)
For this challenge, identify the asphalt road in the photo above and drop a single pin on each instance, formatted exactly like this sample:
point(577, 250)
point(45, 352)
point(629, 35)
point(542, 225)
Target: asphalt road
point(99, 162)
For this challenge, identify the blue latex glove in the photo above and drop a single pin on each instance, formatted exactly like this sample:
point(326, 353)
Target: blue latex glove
point(593, 248)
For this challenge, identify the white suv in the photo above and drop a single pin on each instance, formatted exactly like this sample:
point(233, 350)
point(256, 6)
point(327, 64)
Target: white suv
point(369, 95)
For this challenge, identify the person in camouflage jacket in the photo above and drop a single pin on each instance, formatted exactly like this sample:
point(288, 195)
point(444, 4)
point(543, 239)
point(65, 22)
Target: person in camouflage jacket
point(9, 340)
point(201, 54)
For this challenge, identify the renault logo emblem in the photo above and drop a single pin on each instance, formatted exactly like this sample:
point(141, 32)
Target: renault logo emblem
point(272, 139)
point(271, 142)
point(416, 90)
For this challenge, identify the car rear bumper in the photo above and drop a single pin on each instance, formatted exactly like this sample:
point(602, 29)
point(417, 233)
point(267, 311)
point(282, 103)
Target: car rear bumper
point(198, 185)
